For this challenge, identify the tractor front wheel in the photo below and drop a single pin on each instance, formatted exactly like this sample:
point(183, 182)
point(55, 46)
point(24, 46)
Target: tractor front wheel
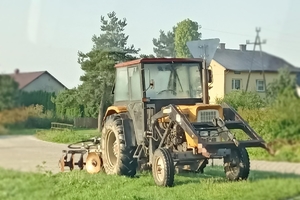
point(117, 156)
point(163, 169)
point(237, 165)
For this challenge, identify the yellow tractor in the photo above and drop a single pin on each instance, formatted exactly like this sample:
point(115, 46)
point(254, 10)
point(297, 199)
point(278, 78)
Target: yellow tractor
point(161, 118)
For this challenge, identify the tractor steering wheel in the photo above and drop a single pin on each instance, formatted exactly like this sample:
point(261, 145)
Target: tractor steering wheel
point(174, 92)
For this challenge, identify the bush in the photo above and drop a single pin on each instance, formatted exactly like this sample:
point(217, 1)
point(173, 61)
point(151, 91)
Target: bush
point(26, 117)
point(279, 120)
point(243, 100)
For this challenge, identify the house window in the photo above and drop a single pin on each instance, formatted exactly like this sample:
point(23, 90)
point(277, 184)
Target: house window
point(260, 86)
point(236, 84)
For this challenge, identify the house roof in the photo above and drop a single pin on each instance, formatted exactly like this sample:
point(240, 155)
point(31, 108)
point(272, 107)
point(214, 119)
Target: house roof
point(25, 78)
point(241, 60)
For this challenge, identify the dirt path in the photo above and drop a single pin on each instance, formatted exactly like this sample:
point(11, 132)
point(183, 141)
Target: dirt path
point(24, 153)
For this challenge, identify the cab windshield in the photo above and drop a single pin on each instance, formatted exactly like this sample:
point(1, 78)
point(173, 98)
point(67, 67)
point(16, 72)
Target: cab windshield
point(173, 80)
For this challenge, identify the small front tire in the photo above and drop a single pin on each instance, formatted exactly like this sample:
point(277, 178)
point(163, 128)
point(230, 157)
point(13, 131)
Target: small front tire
point(163, 169)
point(237, 165)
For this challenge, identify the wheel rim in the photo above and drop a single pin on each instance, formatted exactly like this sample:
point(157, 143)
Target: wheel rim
point(234, 164)
point(111, 148)
point(159, 169)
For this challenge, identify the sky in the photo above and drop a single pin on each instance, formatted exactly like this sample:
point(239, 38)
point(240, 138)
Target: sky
point(39, 35)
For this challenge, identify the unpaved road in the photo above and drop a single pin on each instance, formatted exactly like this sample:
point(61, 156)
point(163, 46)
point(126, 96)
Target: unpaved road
point(25, 153)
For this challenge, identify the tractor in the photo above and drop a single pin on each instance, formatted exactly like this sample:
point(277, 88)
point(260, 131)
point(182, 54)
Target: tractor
point(161, 119)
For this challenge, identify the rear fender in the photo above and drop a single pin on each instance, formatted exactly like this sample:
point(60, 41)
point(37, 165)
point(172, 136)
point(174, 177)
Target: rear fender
point(128, 127)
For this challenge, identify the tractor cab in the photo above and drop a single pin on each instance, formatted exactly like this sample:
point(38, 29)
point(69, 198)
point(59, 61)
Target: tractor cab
point(159, 81)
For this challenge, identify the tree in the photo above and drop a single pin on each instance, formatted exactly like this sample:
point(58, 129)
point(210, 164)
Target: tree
point(185, 31)
point(67, 104)
point(164, 45)
point(282, 84)
point(113, 37)
point(147, 56)
point(8, 92)
point(110, 47)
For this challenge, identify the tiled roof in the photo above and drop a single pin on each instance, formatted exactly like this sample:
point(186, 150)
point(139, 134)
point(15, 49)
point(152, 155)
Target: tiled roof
point(25, 78)
point(238, 60)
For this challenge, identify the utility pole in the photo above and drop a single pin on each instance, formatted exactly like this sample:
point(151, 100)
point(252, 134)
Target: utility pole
point(257, 42)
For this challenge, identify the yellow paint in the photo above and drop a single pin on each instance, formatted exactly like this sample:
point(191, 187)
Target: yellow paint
point(114, 109)
point(190, 111)
point(191, 142)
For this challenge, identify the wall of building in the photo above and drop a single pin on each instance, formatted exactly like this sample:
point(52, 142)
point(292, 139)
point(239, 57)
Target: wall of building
point(45, 83)
point(243, 76)
point(218, 85)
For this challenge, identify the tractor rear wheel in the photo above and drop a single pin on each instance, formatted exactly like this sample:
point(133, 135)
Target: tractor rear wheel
point(117, 157)
point(163, 169)
point(237, 165)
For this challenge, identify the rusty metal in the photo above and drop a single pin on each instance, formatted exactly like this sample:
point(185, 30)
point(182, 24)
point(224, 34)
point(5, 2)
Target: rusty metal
point(90, 147)
point(93, 163)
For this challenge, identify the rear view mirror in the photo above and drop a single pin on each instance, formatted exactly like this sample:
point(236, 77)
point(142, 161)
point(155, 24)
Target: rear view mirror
point(151, 84)
point(209, 76)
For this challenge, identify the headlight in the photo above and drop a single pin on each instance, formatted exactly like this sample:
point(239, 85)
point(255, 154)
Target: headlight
point(204, 133)
point(207, 115)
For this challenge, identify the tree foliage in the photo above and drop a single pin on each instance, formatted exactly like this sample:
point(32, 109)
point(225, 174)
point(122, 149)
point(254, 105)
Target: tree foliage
point(8, 92)
point(147, 56)
point(98, 78)
point(283, 83)
point(110, 47)
point(113, 37)
point(164, 45)
point(68, 105)
point(239, 99)
point(37, 98)
point(185, 31)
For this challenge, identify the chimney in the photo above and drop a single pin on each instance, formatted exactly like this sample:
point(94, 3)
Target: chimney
point(17, 71)
point(222, 46)
point(243, 47)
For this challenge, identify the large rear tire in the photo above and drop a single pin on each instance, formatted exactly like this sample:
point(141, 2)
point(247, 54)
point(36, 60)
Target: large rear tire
point(117, 157)
point(163, 169)
point(237, 166)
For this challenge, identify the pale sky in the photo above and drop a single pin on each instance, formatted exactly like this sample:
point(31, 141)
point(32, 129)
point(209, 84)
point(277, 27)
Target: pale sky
point(39, 35)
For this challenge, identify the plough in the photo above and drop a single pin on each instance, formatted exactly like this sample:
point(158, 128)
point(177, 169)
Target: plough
point(93, 161)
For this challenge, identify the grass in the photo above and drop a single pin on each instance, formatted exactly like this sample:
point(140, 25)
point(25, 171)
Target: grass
point(81, 185)
point(284, 151)
point(66, 135)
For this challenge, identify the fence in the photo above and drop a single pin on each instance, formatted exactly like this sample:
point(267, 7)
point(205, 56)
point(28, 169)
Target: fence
point(60, 126)
point(86, 122)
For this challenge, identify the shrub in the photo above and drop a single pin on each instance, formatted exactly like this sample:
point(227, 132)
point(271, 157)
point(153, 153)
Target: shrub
point(26, 117)
point(243, 100)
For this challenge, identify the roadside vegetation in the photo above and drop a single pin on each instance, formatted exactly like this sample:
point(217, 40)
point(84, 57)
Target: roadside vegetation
point(67, 136)
point(211, 185)
point(275, 118)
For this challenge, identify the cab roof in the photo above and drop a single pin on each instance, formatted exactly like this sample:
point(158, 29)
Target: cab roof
point(156, 60)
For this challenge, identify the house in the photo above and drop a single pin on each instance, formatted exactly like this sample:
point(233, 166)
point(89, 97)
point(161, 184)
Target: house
point(37, 81)
point(230, 69)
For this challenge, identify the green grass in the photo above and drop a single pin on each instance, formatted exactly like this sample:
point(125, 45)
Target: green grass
point(66, 136)
point(284, 151)
point(81, 185)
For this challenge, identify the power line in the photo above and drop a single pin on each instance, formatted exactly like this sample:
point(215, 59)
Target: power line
point(235, 33)
point(259, 43)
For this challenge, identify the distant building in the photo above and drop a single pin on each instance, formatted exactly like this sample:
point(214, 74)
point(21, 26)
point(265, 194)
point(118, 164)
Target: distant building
point(230, 68)
point(37, 81)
